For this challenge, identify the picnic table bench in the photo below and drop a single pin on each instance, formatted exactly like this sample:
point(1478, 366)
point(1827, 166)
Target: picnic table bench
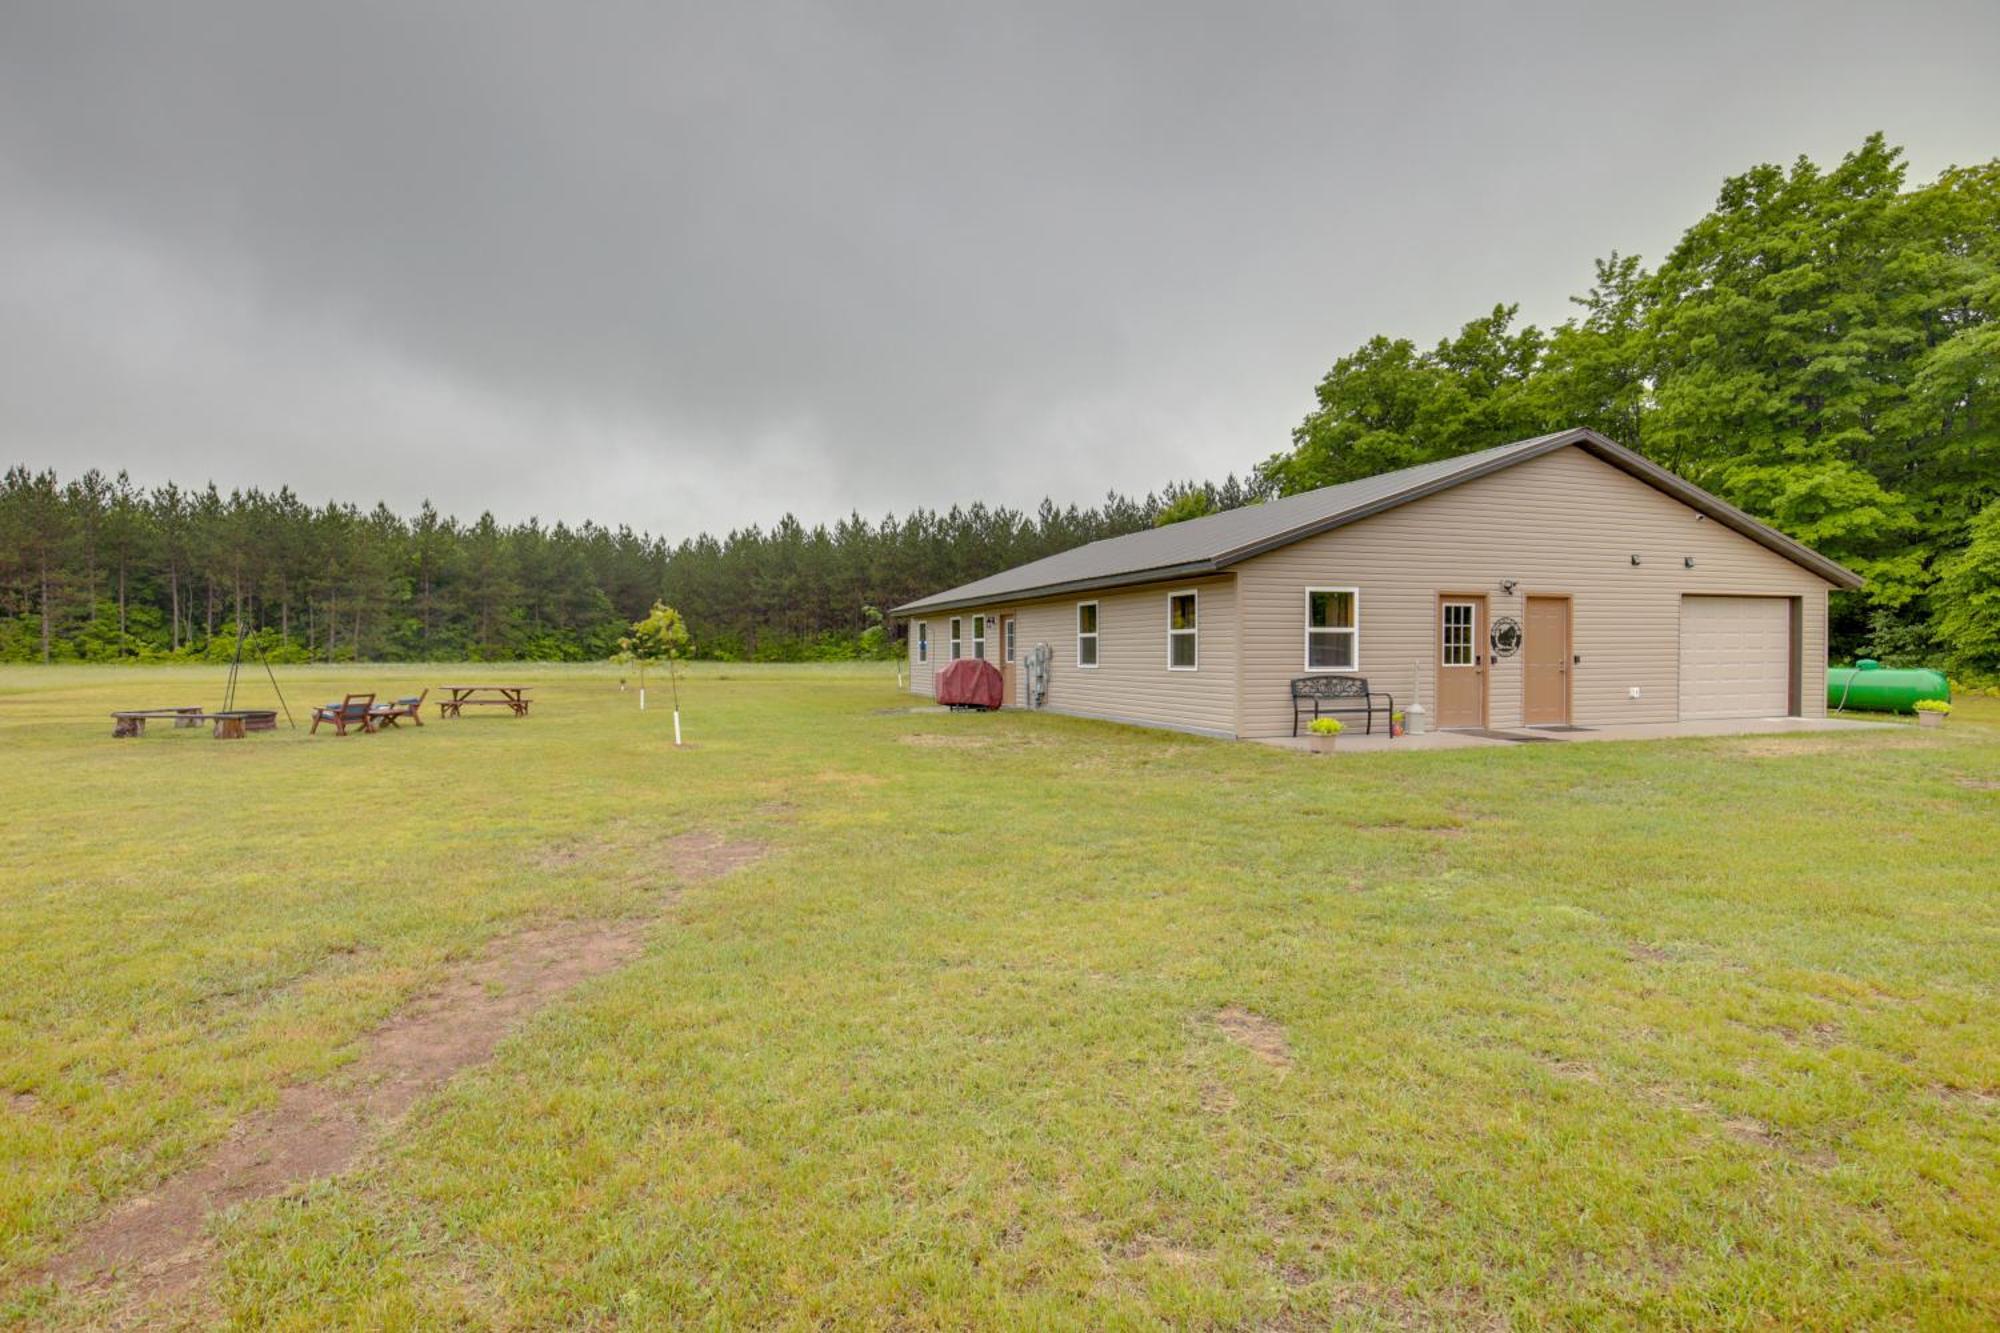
point(511, 697)
point(1317, 696)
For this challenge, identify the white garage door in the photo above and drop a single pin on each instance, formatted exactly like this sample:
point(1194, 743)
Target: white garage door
point(1736, 656)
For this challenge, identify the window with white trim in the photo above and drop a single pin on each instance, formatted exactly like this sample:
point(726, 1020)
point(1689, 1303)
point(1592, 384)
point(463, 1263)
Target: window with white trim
point(1007, 634)
point(1333, 629)
point(979, 637)
point(923, 640)
point(1183, 631)
point(957, 628)
point(1086, 634)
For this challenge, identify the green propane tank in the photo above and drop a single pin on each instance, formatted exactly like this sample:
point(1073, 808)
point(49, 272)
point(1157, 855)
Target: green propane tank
point(1874, 688)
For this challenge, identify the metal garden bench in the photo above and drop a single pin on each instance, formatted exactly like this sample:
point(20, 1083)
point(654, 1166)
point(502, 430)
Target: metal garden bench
point(1319, 696)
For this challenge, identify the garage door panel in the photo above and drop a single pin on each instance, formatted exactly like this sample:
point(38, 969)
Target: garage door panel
point(1736, 657)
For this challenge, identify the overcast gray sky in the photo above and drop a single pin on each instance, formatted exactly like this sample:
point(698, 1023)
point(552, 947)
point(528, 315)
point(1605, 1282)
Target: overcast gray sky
point(691, 266)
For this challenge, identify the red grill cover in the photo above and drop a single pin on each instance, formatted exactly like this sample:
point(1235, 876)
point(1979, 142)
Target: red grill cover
point(970, 683)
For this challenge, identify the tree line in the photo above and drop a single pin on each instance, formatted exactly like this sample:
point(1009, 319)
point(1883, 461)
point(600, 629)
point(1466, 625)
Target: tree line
point(95, 568)
point(1821, 349)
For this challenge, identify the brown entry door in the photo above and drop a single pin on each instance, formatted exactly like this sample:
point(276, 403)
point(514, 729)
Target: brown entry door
point(1461, 662)
point(1007, 667)
point(1545, 663)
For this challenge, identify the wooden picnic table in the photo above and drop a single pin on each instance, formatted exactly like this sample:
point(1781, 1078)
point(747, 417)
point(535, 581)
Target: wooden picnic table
point(511, 697)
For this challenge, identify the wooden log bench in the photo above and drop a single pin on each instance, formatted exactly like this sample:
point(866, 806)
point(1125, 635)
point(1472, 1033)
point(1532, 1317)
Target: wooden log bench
point(230, 725)
point(132, 721)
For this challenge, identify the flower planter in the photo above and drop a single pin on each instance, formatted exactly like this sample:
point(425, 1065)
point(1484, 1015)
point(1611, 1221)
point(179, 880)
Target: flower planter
point(1320, 744)
point(1930, 719)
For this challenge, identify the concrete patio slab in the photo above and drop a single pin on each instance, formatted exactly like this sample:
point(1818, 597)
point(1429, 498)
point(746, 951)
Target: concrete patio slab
point(1356, 742)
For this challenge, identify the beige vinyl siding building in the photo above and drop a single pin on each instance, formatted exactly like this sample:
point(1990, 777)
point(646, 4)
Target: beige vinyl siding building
point(1560, 581)
point(1132, 681)
point(1562, 524)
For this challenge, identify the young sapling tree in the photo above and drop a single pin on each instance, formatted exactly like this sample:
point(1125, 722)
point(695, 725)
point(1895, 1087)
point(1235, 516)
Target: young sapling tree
point(661, 637)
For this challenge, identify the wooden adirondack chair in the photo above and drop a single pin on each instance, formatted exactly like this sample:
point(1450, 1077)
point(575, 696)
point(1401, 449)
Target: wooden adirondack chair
point(356, 710)
point(386, 714)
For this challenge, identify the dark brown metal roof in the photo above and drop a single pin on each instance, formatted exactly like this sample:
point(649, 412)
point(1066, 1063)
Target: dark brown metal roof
point(1215, 542)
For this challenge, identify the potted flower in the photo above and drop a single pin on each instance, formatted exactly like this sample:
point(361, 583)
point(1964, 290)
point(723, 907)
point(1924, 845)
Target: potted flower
point(1932, 712)
point(1395, 724)
point(1321, 733)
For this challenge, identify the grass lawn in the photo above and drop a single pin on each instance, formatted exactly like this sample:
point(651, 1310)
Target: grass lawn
point(1021, 1020)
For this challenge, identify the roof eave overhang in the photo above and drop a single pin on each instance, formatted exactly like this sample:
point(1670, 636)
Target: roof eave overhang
point(1610, 451)
point(1162, 574)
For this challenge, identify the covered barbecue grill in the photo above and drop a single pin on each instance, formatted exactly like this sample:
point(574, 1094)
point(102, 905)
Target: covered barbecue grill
point(970, 683)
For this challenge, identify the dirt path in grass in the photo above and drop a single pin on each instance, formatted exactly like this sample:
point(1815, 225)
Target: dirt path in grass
point(159, 1241)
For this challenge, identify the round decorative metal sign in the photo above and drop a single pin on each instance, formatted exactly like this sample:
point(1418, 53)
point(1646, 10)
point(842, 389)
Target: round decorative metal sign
point(1506, 636)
